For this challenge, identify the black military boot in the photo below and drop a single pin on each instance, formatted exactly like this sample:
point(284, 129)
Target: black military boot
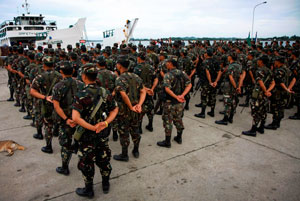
point(251, 132)
point(230, 118)
point(261, 128)
point(296, 116)
point(198, 105)
point(202, 114)
point(123, 156)
point(28, 116)
point(11, 95)
point(178, 138)
point(149, 127)
point(135, 151)
point(22, 109)
point(246, 104)
point(272, 126)
point(224, 121)
point(222, 112)
point(105, 184)
point(212, 112)
point(47, 149)
point(87, 191)
point(115, 136)
point(32, 124)
point(64, 169)
point(17, 104)
point(165, 143)
point(186, 107)
point(39, 134)
point(160, 112)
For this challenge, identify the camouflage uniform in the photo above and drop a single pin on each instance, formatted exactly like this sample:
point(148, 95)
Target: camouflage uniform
point(229, 92)
point(259, 104)
point(128, 121)
point(177, 81)
point(147, 73)
point(295, 68)
point(93, 147)
point(64, 92)
point(29, 98)
point(9, 61)
point(42, 84)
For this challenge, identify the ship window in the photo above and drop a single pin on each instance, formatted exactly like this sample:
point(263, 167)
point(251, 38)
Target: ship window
point(33, 28)
point(50, 28)
point(14, 28)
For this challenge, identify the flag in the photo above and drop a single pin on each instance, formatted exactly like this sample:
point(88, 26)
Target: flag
point(249, 40)
point(255, 38)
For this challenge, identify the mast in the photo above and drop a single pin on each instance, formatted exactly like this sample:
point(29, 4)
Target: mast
point(26, 5)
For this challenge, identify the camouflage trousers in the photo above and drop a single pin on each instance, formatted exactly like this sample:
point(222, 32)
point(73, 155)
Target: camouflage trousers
point(148, 107)
point(37, 103)
point(65, 141)
point(208, 96)
point(172, 113)
point(114, 125)
point(248, 91)
point(259, 108)
point(29, 101)
point(16, 86)
point(91, 153)
point(231, 101)
point(129, 125)
point(48, 122)
point(278, 104)
point(22, 92)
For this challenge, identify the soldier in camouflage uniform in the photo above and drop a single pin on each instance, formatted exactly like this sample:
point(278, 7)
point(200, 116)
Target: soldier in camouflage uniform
point(279, 95)
point(29, 99)
point(295, 68)
point(177, 84)
point(186, 64)
point(93, 144)
point(231, 82)
point(161, 71)
point(62, 95)
point(209, 91)
point(107, 79)
point(8, 63)
point(259, 97)
point(42, 88)
point(148, 75)
point(130, 95)
point(37, 103)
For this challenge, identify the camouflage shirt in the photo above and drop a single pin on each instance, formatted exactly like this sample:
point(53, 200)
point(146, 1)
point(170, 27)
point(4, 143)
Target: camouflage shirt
point(146, 72)
point(186, 64)
point(176, 80)
point(86, 100)
point(28, 70)
point(106, 79)
point(34, 72)
point(264, 74)
point(281, 75)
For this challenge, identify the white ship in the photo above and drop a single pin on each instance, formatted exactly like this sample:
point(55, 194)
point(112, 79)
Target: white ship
point(120, 35)
point(33, 29)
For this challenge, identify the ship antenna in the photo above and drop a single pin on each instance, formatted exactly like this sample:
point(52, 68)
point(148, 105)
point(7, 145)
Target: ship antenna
point(26, 5)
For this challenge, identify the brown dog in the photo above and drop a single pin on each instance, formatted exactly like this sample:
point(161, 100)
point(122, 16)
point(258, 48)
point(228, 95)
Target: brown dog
point(10, 146)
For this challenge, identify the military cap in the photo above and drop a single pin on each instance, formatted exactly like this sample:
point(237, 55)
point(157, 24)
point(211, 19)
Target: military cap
point(62, 54)
point(51, 50)
point(85, 57)
point(101, 60)
point(142, 55)
point(123, 60)
point(48, 60)
point(65, 65)
point(280, 59)
point(209, 52)
point(69, 47)
point(39, 57)
point(173, 60)
point(89, 68)
point(163, 53)
point(58, 45)
point(264, 59)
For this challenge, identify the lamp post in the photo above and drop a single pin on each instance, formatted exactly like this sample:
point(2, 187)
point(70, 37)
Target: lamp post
point(253, 16)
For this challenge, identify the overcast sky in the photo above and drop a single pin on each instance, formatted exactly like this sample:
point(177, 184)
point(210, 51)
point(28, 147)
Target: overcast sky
point(165, 18)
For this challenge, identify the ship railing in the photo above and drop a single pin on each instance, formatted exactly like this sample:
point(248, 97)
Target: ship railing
point(7, 22)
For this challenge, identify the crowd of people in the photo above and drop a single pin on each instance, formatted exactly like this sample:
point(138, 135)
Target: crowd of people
point(83, 95)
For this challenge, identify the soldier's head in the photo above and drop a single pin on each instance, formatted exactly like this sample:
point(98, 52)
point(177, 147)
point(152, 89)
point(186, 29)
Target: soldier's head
point(58, 45)
point(39, 57)
point(20, 50)
point(232, 57)
point(250, 55)
point(40, 49)
point(171, 63)
point(263, 61)
point(85, 58)
point(89, 73)
point(279, 61)
point(51, 51)
point(98, 45)
point(163, 55)
point(83, 49)
point(209, 52)
point(69, 48)
point(48, 62)
point(49, 46)
point(122, 64)
point(183, 52)
point(30, 55)
point(101, 61)
point(66, 68)
point(141, 57)
point(73, 56)
point(295, 54)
